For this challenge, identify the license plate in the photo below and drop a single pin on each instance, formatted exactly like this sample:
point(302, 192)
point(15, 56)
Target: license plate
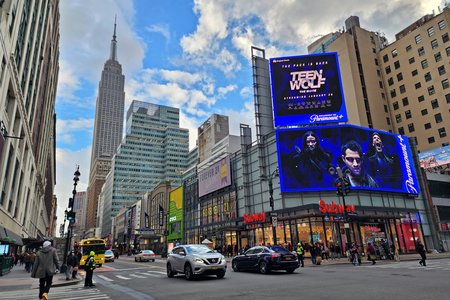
point(214, 268)
point(287, 258)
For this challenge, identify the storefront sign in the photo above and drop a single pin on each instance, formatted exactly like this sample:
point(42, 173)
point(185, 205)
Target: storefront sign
point(372, 228)
point(334, 208)
point(251, 218)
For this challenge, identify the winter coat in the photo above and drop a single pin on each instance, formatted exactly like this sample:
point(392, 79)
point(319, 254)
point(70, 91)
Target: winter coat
point(45, 263)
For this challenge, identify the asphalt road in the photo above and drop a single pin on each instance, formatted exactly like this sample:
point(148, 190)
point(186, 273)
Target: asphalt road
point(126, 279)
point(404, 280)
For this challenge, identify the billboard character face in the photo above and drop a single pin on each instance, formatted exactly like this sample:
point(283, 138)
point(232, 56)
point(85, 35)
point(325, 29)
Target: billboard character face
point(352, 157)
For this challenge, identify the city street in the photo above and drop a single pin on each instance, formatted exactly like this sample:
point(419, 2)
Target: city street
point(126, 279)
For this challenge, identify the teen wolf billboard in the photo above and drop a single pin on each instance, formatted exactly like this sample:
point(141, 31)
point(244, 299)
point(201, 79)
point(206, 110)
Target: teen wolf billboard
point(307, 90)
point(370, 159)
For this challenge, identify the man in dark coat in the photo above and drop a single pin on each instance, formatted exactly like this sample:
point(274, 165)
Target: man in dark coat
point(45, 265)
point(421, 251)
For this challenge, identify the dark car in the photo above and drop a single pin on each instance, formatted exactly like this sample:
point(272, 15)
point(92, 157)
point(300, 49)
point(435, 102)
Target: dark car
point(266, 259)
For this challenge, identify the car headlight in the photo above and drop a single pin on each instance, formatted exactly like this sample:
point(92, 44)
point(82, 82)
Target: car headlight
point(199, 260)
point(222, 258)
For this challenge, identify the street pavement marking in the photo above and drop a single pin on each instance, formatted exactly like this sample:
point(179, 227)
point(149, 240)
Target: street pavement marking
point(122, 277)
point(137, 276)
point(158, 272)
point(56, 293)
point(154, 275)
point(105, 278)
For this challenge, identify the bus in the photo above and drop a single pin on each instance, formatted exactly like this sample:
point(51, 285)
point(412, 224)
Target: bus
point(97, 245)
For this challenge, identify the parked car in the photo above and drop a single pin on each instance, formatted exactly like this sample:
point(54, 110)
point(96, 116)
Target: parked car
point(192, 260)
point(265, 259)
point(145, 255)
point(109, 256)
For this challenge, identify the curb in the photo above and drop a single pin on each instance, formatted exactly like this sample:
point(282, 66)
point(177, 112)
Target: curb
point(64, 282)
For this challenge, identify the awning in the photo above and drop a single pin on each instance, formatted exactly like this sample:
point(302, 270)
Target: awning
point(9, 236)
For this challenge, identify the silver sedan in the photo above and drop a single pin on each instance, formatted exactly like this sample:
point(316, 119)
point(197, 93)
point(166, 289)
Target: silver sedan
point(192, 260)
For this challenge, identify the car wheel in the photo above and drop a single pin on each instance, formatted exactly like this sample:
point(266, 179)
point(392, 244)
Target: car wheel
point(290, 270)
point(135, 259)
point(188, 272)
point(221, 275)
point(263, 267)
point(235, 267)
point(170, 273)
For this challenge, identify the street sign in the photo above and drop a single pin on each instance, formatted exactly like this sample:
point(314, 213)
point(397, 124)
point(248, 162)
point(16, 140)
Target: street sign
point(274, 221)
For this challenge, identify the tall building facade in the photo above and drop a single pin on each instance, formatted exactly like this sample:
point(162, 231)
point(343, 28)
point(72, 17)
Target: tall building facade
point(29, 53)
point(79, 207)
point(209, 133)
point(155, 149)
point(108, 128)
point(416, 70)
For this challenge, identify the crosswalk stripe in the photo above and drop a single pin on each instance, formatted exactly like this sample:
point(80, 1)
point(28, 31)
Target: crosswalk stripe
point(122, 277)
point(154, 275)
point(157, 272)
point(56, 293)
point(137, 276)
point(105, 278)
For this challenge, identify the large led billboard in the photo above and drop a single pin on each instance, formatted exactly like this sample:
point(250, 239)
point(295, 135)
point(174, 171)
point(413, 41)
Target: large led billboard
point(307, 90)
point(176, 214)
point(435, 158)
point(215, 177)
point(370, 159)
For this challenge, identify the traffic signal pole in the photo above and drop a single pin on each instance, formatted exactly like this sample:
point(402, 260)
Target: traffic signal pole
point(343, 188)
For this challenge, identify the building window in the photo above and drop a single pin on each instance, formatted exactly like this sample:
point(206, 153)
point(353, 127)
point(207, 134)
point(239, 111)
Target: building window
point(447, 97)
point(438, 118)
point(434, 44)
point(442, 132)
point(408, 48)
point(441, 70)
point(378, 73)
point(447, 50)
point(431, 90)
point(445, 144)
point(395, 105)
point(380, 84)
point(414, 73)
point(430, 31)
point(424, 112)
point(402, 89)
point(394, 53)
point(387, 69)
point(427, 76)
point(418, 39)
point(376, 61)
point(385, 58)
point(405, 101)
point(418, 85)
point(411, 127)
point(396, 64)
point(434, 104)
point(437, 56)
point(441, 25)
point(424, 64)
point(445, 38)
point(398, 118)
point(393, 93)
point(412, 60)
point(427, 126)
point(391, 81)
point(421, 51)
point(401, 130)
point(399, 76)
point(408, 114)
point(385, 108)
point(444, 83)
point(431, 140)
point(388, 121)
point(421, 98)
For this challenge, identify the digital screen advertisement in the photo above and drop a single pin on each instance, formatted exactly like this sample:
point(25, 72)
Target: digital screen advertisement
point(215, 177)
point(435, 158)
point(369, 159)
point(307, 90)
point(176, 214)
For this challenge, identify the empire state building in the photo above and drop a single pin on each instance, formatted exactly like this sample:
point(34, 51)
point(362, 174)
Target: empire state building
point(108, 128)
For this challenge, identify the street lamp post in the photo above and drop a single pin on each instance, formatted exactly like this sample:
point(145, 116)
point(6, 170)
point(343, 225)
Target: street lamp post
point(342, 191)
point(70, 215)
point(273, 215)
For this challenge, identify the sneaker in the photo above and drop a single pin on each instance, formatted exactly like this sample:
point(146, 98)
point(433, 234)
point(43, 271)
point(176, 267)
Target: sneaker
point(44, 296)
point(420, 262)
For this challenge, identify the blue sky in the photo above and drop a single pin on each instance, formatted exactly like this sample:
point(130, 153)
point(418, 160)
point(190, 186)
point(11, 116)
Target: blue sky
point(194, 55)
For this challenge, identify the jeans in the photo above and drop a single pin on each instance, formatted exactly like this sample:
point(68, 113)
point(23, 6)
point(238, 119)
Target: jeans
point(69, 272)
point(44, 285)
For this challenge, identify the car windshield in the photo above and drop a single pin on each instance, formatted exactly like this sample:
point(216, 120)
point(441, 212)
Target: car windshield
point(109, 252)
point(147, 251)
point(198, 249)
point(279, 249)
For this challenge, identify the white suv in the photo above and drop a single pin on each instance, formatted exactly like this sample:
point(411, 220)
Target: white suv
point(192, 260)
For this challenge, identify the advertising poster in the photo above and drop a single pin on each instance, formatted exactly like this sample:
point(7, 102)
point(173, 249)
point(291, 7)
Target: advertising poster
point(435, 158)
point(215, 177)
point(370, 159)
point(307, 90)
point(176, 214)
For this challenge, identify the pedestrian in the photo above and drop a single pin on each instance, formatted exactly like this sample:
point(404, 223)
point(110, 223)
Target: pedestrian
point(75, 264)
point(421, 250)
point(89, 268)
point(371, 255)
point(45, 265)
point(300, 253)
point(69, 268)
point(337, 249)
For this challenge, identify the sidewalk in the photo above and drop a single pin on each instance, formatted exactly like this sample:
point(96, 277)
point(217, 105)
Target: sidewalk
point(18, 277)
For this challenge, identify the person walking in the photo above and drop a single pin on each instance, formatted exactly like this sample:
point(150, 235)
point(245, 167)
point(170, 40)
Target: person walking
point(421, 250)
point(69, 268)
point(45, 265)
point(75, 264)
point(89, 268)
point(300, 253)
point(371, 255)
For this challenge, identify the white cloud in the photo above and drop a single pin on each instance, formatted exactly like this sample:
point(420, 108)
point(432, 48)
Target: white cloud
point(162, 29)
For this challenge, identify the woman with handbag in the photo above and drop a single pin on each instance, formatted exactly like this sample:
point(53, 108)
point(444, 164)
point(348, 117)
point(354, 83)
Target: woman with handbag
point(75, 264)
point(371, 253)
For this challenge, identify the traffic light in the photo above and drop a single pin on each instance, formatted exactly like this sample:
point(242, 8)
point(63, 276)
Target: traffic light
point(71, 216)
point(70, 203)
point(346, 186)
point(339, 190)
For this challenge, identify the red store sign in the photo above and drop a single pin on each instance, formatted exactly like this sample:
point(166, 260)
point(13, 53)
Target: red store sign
point(251, 218)
point(334, 208)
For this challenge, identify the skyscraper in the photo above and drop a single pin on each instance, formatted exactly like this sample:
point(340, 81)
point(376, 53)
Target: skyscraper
point(107, 128)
